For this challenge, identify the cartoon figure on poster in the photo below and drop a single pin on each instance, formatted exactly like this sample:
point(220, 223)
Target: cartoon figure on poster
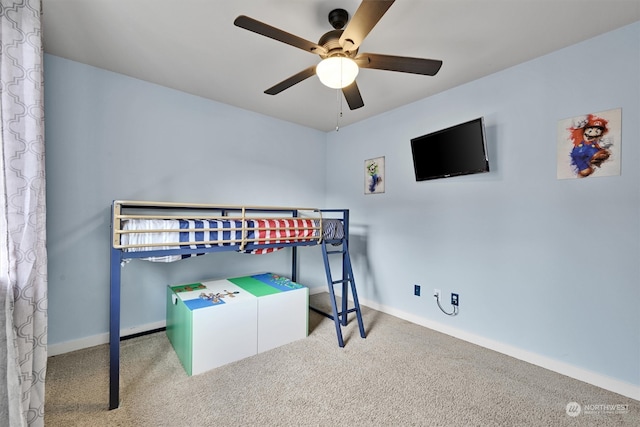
point(591, 141)
point(374, 176)
point(374, 171)
point(590, 145)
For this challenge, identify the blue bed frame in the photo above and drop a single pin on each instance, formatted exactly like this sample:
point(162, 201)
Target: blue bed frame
point(118, 256)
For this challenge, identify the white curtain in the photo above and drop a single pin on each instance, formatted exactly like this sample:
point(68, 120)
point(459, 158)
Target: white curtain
point(23, 256)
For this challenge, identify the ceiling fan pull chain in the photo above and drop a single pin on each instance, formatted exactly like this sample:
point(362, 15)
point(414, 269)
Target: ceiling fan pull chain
point(339, 109)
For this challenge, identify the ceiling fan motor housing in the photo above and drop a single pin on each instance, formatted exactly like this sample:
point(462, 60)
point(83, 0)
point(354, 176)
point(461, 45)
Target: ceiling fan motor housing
point(331, 42)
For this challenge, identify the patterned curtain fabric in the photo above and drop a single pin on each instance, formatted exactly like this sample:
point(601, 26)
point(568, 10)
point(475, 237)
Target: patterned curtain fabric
point(23, 257)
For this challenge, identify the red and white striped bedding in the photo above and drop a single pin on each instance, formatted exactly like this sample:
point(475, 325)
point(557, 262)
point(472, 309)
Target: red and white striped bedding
point(274, 231)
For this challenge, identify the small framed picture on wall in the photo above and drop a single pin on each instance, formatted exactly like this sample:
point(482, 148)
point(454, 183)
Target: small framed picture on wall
point(374, 176)
point(589, 145)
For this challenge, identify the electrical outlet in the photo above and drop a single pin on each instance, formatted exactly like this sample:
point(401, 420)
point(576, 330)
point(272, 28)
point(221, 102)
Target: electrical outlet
point(436, 293)
point(454, 299)
point(416, 290)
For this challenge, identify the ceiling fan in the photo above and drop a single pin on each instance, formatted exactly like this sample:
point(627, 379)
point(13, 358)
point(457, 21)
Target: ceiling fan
point(339, 51)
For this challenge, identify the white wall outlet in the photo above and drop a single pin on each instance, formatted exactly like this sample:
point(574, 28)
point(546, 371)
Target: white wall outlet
point(436, 293)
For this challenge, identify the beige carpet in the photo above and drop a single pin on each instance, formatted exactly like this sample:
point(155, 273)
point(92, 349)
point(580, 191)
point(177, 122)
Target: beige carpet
point(401, 375)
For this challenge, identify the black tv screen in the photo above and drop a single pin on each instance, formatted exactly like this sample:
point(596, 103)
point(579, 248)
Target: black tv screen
point(458, 150)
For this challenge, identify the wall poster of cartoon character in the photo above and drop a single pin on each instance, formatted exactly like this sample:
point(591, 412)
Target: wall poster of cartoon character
point(374, 176)
point(589, 145)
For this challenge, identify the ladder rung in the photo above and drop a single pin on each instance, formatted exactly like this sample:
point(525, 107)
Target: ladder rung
point(334, 252)
point(339, 314)
point(333, 241)
point(335, 282)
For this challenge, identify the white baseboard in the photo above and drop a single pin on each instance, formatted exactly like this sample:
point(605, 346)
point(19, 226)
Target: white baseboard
point(68, 346)
point(599, 380)
point(584, 375)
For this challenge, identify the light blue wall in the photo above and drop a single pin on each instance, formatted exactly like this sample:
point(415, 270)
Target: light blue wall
point(548, 266)
point(109, 137)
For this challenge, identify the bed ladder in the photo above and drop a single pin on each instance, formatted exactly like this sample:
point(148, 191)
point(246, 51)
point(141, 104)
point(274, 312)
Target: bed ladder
point(347, 280)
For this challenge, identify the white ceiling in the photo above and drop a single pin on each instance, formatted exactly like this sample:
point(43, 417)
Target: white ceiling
point(193, 46)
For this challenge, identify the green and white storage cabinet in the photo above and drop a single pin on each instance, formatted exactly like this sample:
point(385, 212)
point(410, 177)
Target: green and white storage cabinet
point(212, 323)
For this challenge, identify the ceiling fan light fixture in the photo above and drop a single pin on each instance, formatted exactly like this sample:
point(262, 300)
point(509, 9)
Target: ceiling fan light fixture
point(337, 72)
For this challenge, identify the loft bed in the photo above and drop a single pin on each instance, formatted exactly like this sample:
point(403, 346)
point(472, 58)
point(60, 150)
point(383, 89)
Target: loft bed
point(168, 232)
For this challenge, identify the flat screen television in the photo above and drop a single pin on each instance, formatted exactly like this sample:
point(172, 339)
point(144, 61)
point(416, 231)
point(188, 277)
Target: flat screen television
point(454, 151)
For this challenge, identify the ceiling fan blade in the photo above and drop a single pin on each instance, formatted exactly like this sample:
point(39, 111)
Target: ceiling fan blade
point(404, 64)
point(277, 34)
point(287, 83)
point(352, 95)
point(366, 17)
